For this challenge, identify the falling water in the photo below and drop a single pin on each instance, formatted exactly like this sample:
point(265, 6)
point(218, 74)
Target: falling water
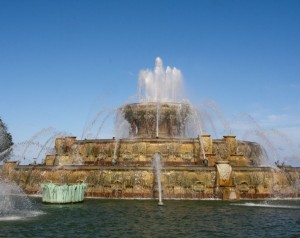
point(288, 150)
point(45, 131)
point(157, 167)
point(34, 149)
point(195, 125)
point(213, 106)
point(261, 136)
point(104, 120)
point(121, 131)
point(101, 118)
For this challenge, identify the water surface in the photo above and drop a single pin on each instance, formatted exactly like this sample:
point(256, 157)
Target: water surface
point(143, 218)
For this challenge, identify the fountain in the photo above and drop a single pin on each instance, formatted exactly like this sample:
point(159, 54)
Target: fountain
point(160, 128)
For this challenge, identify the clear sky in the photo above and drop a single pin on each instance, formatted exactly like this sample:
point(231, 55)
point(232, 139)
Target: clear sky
point(62, 62)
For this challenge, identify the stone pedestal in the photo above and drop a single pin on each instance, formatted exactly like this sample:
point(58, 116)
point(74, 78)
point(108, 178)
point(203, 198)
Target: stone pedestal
point(231, 145)
point(206, 143)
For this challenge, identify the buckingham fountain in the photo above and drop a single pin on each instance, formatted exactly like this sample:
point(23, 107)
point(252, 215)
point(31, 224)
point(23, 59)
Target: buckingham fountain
point(159, 151)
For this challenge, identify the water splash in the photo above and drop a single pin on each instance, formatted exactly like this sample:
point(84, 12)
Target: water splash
point(266, 204)
point(14, 204)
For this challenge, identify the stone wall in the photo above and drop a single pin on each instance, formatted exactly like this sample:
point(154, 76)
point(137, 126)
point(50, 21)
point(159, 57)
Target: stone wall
point(173, 152)
point(177, 182)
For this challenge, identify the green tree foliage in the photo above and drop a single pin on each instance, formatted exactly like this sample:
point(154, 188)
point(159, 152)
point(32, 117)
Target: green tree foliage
point(5, 141)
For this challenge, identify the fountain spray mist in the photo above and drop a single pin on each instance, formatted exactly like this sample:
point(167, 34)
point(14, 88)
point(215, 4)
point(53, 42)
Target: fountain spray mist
point(14, 205)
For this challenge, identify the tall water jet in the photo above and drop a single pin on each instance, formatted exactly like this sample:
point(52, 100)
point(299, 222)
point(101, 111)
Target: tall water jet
point(157, 120)
point(160, 85)
point(157, 168)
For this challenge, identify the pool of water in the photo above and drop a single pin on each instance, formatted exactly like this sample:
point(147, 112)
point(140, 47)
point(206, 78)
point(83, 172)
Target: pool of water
point(143, 218)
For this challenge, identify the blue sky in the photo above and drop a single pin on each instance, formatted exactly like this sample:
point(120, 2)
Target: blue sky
point(61, 62)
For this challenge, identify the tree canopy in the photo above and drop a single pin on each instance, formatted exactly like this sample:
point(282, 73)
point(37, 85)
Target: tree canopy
point(5, 141)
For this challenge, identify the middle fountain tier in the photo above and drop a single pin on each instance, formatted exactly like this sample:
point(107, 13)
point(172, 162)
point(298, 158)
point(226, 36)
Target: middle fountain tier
point(155, 119)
